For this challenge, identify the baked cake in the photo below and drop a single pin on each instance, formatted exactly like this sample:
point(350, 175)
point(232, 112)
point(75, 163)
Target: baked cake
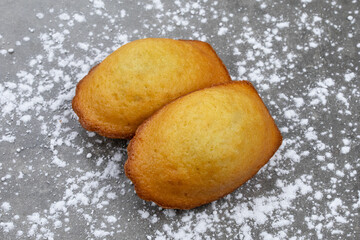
point(202, 146)
point(139, 78)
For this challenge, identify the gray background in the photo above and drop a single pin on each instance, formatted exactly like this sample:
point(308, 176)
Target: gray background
point(60, 182)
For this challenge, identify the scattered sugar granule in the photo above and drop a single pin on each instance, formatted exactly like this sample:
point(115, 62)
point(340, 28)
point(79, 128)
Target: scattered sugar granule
point(5, 206)
point(83, 46)
point(57, 161)
point(282, 25)
point(7, 226)
point(40, 15)
point(64, 16)
point(349, 76)
point(222, 31)
point(98, 4)
point(345, 149)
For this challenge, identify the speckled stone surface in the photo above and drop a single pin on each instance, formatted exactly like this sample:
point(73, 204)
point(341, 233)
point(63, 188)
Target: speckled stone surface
point(58, 181)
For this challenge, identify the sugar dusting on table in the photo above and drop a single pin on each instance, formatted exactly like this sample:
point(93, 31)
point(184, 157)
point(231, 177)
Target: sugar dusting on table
point(286, 191)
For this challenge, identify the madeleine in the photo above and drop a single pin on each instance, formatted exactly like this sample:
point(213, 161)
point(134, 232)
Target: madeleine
point(139, 78)
point(202, 146)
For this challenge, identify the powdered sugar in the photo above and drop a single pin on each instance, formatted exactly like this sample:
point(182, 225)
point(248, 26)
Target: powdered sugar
point(98, 4)
point(64, 16)
point(349, 76)
point(71, 182)
point(5, 206)
point(222, 31)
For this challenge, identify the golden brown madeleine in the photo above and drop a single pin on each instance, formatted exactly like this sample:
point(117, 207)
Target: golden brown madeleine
point(202, 146)
point(141, 77)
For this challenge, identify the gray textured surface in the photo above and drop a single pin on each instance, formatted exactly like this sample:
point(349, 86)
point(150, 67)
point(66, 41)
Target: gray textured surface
point(309, 190)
